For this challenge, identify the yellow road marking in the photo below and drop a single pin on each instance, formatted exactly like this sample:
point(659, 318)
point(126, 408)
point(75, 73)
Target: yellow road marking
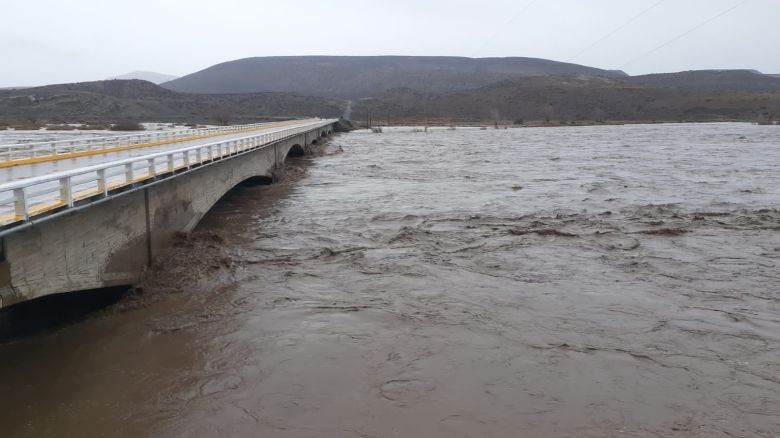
point(69, 155)
point(9, 219)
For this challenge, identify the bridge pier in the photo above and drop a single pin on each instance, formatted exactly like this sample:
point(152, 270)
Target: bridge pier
point(111, 243)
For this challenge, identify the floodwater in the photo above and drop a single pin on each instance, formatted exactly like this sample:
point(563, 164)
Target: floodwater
point(564, 282)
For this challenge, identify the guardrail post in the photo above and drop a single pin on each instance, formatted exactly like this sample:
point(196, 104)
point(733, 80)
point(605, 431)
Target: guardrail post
point(129, 177)
point(66, 191)
point(152, 169)
point(20, 204)
point(186, 156)
point(170, 163)
point(102, 184)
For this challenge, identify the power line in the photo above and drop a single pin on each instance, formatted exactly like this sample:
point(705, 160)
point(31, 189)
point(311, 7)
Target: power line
point(621, 27)
point(684, 34)
point(501, 28)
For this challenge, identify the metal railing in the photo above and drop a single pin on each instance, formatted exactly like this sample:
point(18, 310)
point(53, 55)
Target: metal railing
point(20, 200)
point(19, 151)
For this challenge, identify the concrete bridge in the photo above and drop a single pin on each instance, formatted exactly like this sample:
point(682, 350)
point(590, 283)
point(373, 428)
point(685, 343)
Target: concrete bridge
point(92, 214)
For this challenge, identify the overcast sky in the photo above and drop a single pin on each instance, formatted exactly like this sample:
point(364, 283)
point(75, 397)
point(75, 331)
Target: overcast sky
point(54, 41)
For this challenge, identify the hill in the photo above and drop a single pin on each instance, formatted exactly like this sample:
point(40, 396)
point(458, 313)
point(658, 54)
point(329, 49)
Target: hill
point(114, 100)
point(153, 77)
point(686, 96)
point(356, 76)
point(746, 80)
point(567, 99)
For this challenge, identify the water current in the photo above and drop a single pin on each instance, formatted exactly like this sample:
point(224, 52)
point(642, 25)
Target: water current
point(542, 282)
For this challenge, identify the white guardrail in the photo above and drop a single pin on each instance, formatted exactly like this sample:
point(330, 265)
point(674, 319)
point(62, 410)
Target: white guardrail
point(17, 151)
point(25, 198)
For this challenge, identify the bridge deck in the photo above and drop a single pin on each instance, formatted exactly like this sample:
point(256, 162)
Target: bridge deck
point(58, 163)
point(55, 181)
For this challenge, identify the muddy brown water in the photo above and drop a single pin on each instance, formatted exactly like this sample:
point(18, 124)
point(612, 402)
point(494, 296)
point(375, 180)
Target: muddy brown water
point(576, 282)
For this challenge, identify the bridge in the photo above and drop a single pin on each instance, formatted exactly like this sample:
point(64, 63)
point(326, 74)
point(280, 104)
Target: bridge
point(95, 212)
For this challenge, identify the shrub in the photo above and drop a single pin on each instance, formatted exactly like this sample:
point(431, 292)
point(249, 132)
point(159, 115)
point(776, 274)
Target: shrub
point(222, 119)
point(63, 127)
point(93, 127)
point(127, 126)
point(26, 126)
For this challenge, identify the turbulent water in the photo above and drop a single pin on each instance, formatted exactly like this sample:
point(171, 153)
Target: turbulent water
point(570, 282)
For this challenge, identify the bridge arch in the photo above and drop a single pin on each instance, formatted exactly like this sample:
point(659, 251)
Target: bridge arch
point(296, 151)
point(256, 180)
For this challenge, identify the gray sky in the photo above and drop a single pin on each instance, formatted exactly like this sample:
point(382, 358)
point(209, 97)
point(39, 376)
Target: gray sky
point(53, 41)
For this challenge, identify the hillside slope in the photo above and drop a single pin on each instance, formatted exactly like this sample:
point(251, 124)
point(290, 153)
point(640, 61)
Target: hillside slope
point(140, 100)
point(722, 80)
point(153, 77)
point(571, 99)
point(356, 76)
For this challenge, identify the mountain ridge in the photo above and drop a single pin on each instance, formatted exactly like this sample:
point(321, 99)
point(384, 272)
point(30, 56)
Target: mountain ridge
point(149, 76)
point(364, 76)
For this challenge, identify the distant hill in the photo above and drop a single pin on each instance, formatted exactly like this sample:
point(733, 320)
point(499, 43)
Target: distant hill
point(114, 100)
point(153, 77)
point(745, 80)
point(356, 76)
point(570, 99)
point(579, 98)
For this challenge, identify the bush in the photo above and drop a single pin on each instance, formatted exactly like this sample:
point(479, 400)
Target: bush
point(26, 126)
point(93, 127)
point(222, 119)
point(127, 126)
point(63, 127)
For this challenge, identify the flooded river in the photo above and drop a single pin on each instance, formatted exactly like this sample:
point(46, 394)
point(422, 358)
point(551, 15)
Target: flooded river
point(547, 282)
